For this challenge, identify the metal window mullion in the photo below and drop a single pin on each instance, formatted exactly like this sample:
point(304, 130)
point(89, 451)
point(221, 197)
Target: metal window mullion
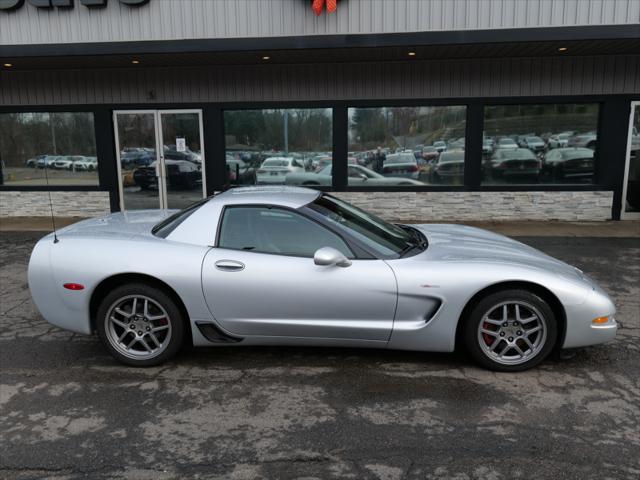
point(340, 148)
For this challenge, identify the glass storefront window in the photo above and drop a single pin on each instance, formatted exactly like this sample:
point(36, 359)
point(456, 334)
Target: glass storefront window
point(279, 146)
point(404, 146)
point(61, 145)
point(632, 200)
point(529, 144)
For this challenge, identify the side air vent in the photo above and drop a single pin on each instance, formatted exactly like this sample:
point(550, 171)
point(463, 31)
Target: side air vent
point(212, 333)
point(432, 310)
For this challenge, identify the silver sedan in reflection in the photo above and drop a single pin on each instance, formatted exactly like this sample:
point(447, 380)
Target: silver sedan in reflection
point(358, 175)
point(292, 266)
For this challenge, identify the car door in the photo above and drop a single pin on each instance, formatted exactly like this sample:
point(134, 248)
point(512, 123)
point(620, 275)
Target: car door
point(261, 279)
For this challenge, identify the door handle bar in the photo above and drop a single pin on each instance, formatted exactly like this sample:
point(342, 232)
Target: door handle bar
point(229, 265)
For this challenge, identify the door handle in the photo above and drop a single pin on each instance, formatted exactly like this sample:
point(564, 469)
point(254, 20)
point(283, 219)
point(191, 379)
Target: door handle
point(229, 265)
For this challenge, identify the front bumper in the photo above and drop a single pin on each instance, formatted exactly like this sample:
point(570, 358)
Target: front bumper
point(581, 332)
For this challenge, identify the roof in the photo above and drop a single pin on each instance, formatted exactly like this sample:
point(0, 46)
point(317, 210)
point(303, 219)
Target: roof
point(293, 197)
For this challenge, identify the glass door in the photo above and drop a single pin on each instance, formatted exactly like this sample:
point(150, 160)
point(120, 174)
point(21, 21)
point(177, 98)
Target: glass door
point(160, 158)
point(137, 154)
point(182, 157)
point(631, 191)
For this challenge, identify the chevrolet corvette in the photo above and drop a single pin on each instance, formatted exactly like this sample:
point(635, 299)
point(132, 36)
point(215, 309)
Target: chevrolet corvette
point(278, 265)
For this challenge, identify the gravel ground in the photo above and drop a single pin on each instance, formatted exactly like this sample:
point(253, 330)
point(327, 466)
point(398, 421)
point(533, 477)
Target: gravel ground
point(67, 410)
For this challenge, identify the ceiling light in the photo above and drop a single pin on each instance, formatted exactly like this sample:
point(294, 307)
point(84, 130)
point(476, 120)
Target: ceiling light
point(266, 57)
point(8, 65)
point(412, 54)
point(135, 62)
point(562, 49)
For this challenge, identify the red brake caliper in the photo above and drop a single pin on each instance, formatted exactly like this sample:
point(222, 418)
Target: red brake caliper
point(488, 339)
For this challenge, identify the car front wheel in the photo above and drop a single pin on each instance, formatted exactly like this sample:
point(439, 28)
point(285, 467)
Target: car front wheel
point(510, 330)
point(140, 325)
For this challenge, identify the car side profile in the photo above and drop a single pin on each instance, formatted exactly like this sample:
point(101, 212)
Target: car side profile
point(293, 266)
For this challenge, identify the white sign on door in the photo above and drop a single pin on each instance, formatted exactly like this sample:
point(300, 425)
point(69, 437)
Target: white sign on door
point(181, 145)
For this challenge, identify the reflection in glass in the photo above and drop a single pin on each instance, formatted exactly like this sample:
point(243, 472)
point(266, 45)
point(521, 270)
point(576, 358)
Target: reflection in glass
point(277, 146)
point(139, 162)
point(553, 143)
point(63, 143)
point(137, 146)
point(183, 160)
point(633, 180)
point(404, 144)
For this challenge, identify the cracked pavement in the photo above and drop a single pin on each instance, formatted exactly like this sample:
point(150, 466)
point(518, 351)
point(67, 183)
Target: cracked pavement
point(67, 410)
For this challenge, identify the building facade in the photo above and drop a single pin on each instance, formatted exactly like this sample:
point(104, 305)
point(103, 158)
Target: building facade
point(418, 110)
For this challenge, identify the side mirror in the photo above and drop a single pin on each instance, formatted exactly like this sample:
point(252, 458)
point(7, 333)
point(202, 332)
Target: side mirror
point(328, 256)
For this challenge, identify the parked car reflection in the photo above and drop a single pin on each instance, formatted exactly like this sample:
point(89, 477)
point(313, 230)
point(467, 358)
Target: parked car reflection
point(519, 162)
point(275, 169)
point(533, 143)
point(570, 163)
point(181, 175)
point(449, 168)
point(357, 175)
point(401, 165)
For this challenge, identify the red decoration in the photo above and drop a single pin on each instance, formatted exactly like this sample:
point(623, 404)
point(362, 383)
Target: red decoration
point(318, 6)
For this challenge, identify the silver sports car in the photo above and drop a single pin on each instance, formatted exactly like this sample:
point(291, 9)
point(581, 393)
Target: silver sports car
point(293, 266)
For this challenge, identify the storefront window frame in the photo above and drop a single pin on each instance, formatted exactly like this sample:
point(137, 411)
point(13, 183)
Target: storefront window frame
point(104, 161)
point(215, 135)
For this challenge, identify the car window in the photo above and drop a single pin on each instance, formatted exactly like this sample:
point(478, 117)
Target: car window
point(276, 162)
point(277, 231)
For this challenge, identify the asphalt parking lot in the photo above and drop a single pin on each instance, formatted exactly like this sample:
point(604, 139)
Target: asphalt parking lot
point(67, 410)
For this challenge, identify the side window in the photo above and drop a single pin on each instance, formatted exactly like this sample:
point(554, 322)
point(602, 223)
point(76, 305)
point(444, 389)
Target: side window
point(275, 230)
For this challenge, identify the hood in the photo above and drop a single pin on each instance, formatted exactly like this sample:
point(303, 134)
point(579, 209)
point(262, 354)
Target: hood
point(117, 225)
point(459, 243)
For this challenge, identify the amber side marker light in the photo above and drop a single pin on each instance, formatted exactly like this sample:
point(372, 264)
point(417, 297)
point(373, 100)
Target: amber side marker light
point(73, 286)
point(600, 320)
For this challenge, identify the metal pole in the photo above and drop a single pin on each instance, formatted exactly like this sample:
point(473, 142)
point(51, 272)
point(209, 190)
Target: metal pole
point(53, 134)
point(286, 132)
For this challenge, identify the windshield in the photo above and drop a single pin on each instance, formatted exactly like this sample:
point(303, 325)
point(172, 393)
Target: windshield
point(402, 158)
point(275, 162)
point(578, 153)
point(519, 154)
point(386, 239)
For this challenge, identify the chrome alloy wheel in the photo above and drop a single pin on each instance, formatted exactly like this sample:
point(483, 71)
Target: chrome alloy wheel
point(512, 332)
point(138, 327)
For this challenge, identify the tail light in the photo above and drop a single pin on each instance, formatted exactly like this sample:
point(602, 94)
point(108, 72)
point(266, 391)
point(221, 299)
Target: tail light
point(73, 286)
point(262, 171)
point(386, 170)
point(413, 168)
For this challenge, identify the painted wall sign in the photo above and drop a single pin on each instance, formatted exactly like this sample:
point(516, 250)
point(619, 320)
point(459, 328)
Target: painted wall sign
point(9, 5)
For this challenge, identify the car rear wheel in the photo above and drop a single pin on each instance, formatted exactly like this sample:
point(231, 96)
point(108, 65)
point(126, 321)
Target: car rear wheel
point(140, 325)
point(510, 330)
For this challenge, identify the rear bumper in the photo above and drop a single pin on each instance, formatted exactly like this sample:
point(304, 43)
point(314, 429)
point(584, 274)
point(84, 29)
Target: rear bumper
point(70, 312)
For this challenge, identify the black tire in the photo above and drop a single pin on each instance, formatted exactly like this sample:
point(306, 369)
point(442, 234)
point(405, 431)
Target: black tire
point(490, 302)
point(160, 297)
